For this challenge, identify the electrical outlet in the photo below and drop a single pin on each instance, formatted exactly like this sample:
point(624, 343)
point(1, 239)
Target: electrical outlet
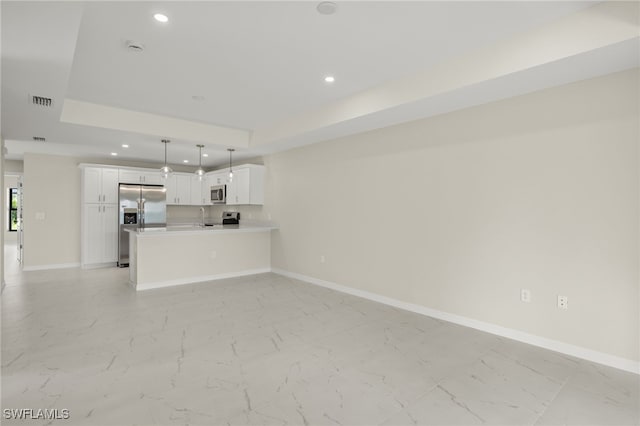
point(563, 302)
point(322, 259)
point(40, 215)
point(268, 216)
point(213, 254)
point(525, 295)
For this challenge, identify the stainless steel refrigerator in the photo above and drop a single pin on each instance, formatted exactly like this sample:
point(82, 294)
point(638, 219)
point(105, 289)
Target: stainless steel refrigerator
point(141, 206)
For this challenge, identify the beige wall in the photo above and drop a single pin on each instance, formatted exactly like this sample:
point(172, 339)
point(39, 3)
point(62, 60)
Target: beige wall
point(51, 186)
point(12, 166)
point(459, 212)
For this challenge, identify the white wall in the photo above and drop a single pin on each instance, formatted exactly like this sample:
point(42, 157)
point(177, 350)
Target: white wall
point(459, 212)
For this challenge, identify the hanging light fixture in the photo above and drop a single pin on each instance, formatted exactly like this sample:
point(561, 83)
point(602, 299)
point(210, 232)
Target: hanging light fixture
point(200, 171)
point(165, 170)
point(230, 169)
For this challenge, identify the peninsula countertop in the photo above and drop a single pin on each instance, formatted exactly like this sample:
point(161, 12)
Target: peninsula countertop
point(198, 229)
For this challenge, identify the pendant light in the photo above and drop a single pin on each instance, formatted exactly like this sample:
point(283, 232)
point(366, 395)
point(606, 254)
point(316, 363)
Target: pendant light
point(200, 171)
point(165, 170)
point(230, 169)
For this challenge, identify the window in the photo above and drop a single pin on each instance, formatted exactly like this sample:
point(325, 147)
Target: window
point(13, 209)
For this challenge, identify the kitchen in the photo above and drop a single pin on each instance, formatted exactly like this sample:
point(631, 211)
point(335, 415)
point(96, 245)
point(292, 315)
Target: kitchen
point(432, 199)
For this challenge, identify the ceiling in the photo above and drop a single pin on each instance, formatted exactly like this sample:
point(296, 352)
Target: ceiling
point(250, 75)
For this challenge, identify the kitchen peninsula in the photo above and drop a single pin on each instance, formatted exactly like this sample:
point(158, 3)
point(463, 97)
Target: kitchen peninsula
point(188, 254)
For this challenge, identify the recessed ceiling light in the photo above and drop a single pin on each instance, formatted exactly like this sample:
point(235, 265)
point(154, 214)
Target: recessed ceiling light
point(161, 18)
point(205, 155)
point(124, 145)
point(327, 8)
point(185, 161)
point(114, 154)
point(329, 79)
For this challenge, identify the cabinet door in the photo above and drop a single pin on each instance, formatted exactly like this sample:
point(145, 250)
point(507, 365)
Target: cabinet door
point(110, 186)
point(130, 176)
point(93, 247)
point(110, 234)
point(183, 189)
point(205, 191)
point(92, 191)
point(152, 178)
point(219, 178)
point(172, 190)
point(238, 191)
point(243, 182)
point(195, 197)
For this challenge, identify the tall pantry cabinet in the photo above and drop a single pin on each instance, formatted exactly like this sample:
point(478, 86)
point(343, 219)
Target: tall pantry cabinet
point(99, 216)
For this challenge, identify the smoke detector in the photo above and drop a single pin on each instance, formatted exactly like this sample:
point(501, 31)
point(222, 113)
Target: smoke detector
point(327, 8)
point(135, 46)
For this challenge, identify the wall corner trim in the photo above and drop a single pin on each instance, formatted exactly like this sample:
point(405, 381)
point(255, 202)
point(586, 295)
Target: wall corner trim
point(520, 336)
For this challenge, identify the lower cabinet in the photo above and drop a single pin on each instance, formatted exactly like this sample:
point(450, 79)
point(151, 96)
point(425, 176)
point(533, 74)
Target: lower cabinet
point(99, 234)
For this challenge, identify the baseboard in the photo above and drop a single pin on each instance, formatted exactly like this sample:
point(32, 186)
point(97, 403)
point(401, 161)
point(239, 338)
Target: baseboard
point(532, 339)
point(99, 265)
point(53, 266)
point(193, 280)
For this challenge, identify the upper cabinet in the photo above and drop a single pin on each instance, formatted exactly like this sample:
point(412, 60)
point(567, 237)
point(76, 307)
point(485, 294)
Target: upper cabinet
point(200, 195)
point(247, 185)
point(149, 177)
point(100, 185)
point(179, 189)
point(218, 178)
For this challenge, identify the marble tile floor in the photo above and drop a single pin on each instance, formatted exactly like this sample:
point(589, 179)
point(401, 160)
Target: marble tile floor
point(270, 350)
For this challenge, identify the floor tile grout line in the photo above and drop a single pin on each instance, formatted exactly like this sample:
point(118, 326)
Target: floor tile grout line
point(566, 381)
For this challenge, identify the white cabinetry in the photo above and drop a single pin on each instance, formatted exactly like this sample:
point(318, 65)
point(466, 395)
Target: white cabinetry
point(200, 196)
point(178, 189)
point(218, 178)
point(99, 216)
point(247, 185)
point(149, 177)
point(99, 234)
point(100, 185)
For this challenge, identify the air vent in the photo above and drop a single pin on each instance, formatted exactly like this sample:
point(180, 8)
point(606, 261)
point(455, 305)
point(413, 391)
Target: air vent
point(42, 101)
point(39, 139)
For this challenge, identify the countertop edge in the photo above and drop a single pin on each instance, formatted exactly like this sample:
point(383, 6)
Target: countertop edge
point(197, 231)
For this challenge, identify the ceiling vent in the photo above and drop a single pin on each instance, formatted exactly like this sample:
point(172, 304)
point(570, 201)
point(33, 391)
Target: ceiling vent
point(39, 139)
point(42, 101)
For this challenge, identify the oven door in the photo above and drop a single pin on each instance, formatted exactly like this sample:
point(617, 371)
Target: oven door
point(218, 194)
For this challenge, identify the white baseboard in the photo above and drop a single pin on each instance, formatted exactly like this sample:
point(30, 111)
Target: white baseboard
point(99, 265)
point(192, 280)
point(532, 339)
point(54, 266)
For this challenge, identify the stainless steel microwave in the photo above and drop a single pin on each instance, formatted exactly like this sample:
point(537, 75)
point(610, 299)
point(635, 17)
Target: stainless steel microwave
point(219, 194)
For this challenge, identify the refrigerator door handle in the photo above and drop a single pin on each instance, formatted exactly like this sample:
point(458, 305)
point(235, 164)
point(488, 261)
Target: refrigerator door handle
point(142, 213)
